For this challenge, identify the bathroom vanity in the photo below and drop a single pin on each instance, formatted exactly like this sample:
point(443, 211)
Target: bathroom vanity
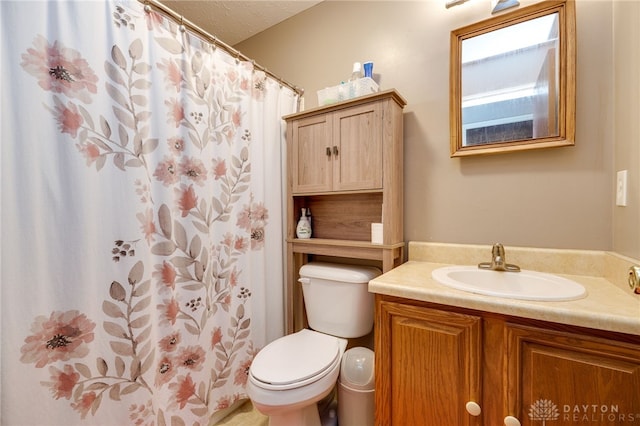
point(446, 357)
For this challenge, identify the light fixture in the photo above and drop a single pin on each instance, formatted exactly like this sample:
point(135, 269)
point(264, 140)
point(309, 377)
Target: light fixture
point(498, 5)
point(451, 3)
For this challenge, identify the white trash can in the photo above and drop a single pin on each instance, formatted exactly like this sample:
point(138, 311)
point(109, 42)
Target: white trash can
point(356, 402)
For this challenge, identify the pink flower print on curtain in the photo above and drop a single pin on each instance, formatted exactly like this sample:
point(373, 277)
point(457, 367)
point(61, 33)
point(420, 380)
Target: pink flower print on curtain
point(62, 381)
point(69, 121)
point(60, 69)
point(61, 337)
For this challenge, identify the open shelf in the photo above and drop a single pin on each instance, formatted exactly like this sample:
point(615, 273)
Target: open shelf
point(341, 216)
point(346, 248)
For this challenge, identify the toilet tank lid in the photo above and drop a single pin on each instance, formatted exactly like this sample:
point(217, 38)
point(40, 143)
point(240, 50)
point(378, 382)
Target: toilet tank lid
point(339, 272)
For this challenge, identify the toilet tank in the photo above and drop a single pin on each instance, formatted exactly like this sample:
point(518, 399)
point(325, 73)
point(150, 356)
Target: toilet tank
point(336, 298)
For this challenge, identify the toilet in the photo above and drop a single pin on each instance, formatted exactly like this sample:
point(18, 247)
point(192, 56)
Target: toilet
point(290, 375)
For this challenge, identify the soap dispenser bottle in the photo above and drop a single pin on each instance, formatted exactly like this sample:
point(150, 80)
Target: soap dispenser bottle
point(303, 230)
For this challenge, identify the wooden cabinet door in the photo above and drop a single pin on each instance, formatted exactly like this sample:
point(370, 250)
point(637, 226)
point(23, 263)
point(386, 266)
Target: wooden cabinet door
point(357, 137)
point(427, 366)
point(562, 379)
point(310, 162)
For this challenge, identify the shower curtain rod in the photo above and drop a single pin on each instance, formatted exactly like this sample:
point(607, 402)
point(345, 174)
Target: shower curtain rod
point(219, 43)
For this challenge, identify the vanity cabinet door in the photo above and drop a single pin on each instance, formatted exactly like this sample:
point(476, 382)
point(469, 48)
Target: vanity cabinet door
point(563, 379)
point(427, 366)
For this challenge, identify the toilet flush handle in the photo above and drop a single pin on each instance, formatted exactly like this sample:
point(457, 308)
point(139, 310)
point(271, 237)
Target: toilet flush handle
point(304, 281)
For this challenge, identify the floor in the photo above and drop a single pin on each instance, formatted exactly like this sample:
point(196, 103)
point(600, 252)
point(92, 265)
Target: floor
point(246, 415)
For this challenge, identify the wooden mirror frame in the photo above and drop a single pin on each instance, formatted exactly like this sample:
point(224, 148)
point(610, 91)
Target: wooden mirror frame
point(567, 81)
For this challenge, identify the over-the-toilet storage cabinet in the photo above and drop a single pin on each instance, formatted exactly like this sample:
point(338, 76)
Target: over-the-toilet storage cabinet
point(345, 164)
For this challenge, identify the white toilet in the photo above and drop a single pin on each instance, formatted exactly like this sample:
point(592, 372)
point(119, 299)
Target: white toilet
point(291, 374)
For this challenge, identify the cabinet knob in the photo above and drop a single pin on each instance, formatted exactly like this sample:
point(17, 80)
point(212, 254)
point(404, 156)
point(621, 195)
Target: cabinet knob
point(335, 150)
point(328, 152)
point(473, 408)
point(511, 421)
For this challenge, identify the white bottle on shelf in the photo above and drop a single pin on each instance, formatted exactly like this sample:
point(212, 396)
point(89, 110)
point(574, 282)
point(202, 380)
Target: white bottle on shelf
point(356, 73)
point(303, 230)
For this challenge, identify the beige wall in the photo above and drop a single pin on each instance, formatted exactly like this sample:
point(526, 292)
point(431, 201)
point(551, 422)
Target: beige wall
point(558, 198)
point(626, 220)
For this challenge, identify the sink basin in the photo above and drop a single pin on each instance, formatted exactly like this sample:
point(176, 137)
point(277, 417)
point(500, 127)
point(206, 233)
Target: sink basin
point(525, 285)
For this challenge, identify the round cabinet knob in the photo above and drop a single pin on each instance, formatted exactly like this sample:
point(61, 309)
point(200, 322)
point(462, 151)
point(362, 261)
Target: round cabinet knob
point(511, 421)
point(473, 408)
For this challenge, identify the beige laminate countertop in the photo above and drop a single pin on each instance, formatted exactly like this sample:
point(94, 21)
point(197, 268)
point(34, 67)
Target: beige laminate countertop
point(608, 305)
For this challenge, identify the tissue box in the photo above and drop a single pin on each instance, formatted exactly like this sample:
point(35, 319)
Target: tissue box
point(348, 90)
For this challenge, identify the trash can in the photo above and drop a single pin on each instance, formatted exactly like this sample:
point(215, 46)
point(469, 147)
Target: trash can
point(356, 405)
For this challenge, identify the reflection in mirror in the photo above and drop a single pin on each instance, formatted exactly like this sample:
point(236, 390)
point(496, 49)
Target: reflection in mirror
point(519, 101)
point(513, 82)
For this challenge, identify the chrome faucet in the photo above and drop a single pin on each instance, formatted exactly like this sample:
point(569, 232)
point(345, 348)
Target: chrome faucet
point(498, 262)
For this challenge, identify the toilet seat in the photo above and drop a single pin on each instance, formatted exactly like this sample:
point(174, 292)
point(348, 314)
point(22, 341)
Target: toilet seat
point(295, 360)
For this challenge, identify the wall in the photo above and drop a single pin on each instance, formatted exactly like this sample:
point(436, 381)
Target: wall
point(626, 220)
point(558, 198)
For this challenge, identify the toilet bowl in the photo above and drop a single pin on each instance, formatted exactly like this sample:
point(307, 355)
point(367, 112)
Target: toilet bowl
point(290, 375)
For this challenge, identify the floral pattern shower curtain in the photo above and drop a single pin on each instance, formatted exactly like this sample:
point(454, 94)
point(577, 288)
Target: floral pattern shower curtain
point(141, 217)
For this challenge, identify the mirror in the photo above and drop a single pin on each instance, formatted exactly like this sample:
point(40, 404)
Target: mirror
point(512, 81)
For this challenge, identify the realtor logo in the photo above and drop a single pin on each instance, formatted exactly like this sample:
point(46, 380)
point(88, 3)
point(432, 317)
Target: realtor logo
point(544, 409)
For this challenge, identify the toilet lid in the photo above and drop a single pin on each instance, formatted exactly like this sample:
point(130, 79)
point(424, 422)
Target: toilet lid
point(295, 358)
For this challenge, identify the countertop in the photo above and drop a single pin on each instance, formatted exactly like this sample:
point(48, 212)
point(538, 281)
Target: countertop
point(608, 305)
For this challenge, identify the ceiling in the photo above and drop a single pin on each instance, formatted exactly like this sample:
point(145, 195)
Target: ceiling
point(233, 21)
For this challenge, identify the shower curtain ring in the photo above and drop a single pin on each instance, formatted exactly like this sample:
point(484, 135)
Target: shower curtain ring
point(147, 7)
point(182, 27)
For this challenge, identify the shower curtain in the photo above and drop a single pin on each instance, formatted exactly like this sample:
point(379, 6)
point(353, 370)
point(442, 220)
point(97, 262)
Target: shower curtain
point(141, 211)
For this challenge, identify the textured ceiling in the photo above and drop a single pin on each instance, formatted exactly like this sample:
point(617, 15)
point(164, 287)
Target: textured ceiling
point(236, 20)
